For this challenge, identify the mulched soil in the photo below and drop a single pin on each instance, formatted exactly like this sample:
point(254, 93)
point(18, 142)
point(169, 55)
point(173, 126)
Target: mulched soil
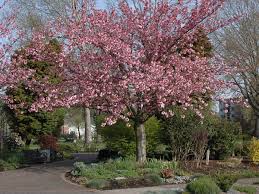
point(218, 166)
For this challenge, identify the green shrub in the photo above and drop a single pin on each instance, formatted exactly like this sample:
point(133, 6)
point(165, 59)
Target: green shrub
point(68, 148)
point(177, 134)
point(254, 150)
point(225, 181)
point(12, 160)
point(203, 185)
point(223, 137)
point(79, 169)
point(70, 137)
point(13, 141)
point(98, 184)
point(6, 166)
point(119, 137)
point(154, 178)
point(245, 189)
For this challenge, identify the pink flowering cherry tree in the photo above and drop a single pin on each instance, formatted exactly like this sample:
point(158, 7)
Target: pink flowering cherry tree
point(132, 62)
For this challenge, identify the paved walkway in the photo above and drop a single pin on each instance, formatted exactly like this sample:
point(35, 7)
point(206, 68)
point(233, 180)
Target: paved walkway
point(45, 178)
point(49, 179)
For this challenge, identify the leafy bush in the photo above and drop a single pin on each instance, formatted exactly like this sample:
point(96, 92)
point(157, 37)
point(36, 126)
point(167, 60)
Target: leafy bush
point(13, 141)
point(11, 160)
point(15, 158)
point(121, 138)
point(223, 137)
point(152, 128)
point(68, 148)
point(177, 133)
point(203, 185)
point(70, 137)
point(245, 189)
point(254, 150)
point(79, 169)
point(48, 142)
point(225, 181)
point(6, 166)
point(98, 184)
point(118, 137)
point(154, 179)
point(167, 173)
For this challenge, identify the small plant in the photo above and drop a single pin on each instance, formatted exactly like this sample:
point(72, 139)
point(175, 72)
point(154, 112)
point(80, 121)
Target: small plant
point(6, 166)
point(203, 185)
point(48, 142)
point(254, 150)
point(154, 178)
point(167, 173)
point(79, 168)
point(14, 141)
point(225, 181)
point(245, 189)
point(98, 184)
point(70, 137)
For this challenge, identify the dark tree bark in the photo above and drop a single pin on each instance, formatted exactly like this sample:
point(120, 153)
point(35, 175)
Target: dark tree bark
point(79, 134)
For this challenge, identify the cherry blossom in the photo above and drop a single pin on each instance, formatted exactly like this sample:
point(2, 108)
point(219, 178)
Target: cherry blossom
point(131, 62)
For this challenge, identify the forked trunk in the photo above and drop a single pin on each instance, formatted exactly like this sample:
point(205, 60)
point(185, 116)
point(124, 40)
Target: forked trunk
point(141, 154)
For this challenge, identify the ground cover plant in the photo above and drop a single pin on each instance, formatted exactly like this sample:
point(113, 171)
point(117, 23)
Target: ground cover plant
point(245, 189)
point(123, 173)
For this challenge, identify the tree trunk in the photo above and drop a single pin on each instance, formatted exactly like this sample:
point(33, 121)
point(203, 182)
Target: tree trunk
point(256, 126)
point(208, 157)
point(28, 142)
point(79, 134)
point(141, 154)
point(87, 117)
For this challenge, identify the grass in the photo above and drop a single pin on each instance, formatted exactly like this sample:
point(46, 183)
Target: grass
point(203, 185)
point(245, 189)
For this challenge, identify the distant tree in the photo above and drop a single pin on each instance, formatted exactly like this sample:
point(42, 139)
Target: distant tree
point(33, 124)
point(238, 44)
point(75, 117)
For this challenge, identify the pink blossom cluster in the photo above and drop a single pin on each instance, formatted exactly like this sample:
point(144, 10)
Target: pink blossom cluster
point(130, 62)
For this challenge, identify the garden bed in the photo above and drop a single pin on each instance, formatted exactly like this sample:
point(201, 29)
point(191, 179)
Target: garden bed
point(110, 184)
point(121, 174)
